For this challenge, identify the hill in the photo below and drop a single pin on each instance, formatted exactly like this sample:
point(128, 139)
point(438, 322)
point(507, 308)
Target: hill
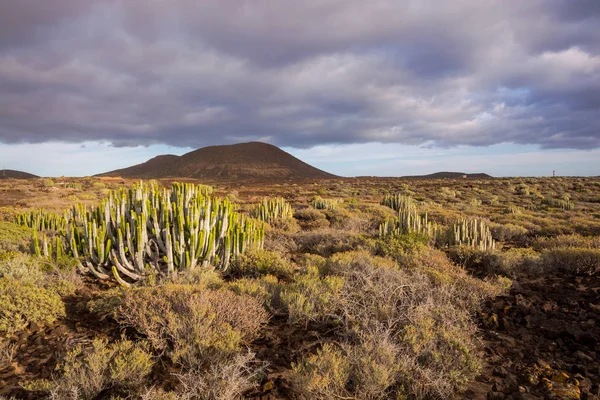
point(243, 161)
point(450, 175)
point(10, 173)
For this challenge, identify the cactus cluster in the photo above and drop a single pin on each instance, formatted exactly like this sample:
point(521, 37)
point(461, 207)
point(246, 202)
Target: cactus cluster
point(323, 204)
point(408, 219)
point(474, 233)
point(398, 202)
point(273, 211)
point(564, 203)
point(43, 220)
point(146, 230)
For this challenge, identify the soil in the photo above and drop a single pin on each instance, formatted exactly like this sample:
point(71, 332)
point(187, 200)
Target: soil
point(542, 341)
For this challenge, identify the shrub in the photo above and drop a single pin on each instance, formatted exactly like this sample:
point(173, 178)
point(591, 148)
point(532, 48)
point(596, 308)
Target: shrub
point(326, 242)
point(508, 232)
point(432, 340)
point(121, 367)
point(323, 375)
point(256, 263)
point(310, 218)
point(14, 237)
point(573, 260)
point(22, 303)
point(311, 297)
point(194, 325)
point(222, 381)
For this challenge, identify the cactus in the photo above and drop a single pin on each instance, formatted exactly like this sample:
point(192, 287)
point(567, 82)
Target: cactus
point(474, 233)
point(323, 204)
point(273, 211)
point(564, 203)
point(148, 230)
point(408, 219)
point(397, 201)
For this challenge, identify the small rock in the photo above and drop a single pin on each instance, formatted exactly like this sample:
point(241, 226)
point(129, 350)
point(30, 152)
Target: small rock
point(500, 371)
point(495, 396)
point(580, 355)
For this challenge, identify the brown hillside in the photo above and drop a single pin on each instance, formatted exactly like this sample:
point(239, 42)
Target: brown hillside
point(9, 173)
point(249, 161)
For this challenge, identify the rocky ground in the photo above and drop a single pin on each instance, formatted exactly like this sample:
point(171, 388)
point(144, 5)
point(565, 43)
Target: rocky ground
point(542, 341)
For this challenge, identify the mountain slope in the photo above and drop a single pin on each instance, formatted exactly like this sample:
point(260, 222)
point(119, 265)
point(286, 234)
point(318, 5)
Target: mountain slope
point(10, 173)
point(253, 161)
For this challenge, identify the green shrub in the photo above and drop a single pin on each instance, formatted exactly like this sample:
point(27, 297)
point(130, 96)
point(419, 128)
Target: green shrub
point(311, 297)
point(507, 232)
point(309, 218)
point(323, 375)
point(256, 263)
point(119, 367)
point(194, 325)
point(15, 237)
point(22, 303)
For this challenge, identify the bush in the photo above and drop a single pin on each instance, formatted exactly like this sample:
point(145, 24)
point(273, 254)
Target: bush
point(22, 303)
point(222, 381)
point(572, 260)
point(309, 218)
point(508, 232)
point(326, 242)
point(430, 344)
point(15, 237)
point(311, 297)
point(323, 375)
point(121, 368)
point(194, 325)
point(256, 263)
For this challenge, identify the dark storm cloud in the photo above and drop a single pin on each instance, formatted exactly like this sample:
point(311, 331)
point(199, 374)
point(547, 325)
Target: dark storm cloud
point(190, 73)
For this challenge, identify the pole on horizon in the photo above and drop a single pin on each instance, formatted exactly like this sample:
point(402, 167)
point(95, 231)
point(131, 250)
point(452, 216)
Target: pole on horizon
point(553, 174)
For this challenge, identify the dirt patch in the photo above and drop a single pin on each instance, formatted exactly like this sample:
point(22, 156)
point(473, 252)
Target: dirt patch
point(542, 341)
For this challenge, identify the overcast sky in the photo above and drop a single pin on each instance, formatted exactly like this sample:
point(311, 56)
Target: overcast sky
point(378, 87)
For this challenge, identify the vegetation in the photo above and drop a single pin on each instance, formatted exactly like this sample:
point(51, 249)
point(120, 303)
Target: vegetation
point(339, 291)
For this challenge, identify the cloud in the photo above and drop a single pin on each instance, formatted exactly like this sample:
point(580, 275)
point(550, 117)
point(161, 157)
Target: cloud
point(301, 74)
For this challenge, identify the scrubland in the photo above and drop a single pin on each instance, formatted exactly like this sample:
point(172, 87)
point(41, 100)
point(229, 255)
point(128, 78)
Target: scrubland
point(366, 288)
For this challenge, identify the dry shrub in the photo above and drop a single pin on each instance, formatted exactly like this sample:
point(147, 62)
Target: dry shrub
point(507, 232)
point(222, 381)
point(309, 218)
point(326, 242)
point(279, 241)
point(193, 324)
point(7, 351)
point(408, 330)
point(256, 263)
point(573, 260)
point(567, 241)
point(121, 367)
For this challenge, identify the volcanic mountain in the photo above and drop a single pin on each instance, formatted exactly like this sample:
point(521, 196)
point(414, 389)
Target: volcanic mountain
point(243, 161)
point(10, 173)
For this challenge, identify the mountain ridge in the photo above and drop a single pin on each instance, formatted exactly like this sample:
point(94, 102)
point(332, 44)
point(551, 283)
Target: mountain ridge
point(14, 174)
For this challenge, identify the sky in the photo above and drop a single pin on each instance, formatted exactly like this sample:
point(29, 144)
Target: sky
point(384, 87)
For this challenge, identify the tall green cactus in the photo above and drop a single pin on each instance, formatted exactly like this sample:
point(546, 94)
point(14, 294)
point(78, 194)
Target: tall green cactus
point(273, 211)
point(398, 202)
point(323, 204)
point(408, 219)
point(150, 230)
point(474, 233)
